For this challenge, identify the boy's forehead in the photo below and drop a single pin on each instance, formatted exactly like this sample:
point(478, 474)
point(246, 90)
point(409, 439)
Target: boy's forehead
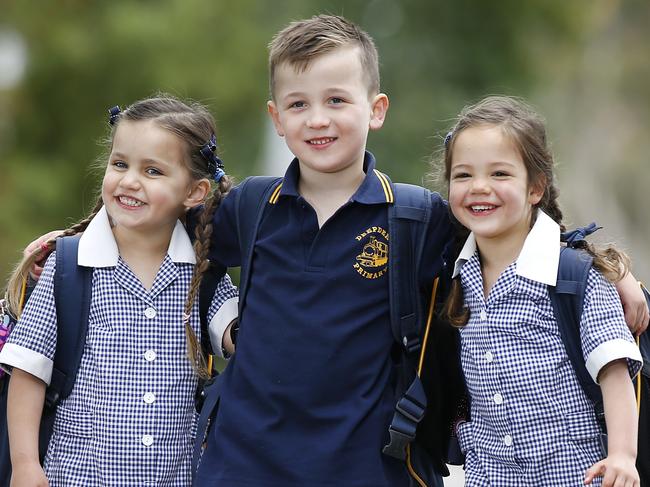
point(342, 62)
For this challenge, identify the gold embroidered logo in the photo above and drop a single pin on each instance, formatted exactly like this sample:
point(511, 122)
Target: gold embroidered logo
point(372, 262)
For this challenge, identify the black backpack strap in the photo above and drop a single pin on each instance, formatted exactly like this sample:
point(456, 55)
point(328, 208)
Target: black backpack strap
point(253, 197)
point(408, 218)
point(72, 293)
point(567, 299)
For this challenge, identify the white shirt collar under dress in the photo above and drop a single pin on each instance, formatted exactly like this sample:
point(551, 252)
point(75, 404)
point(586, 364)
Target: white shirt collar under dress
point(539, 257)
point(97, 246)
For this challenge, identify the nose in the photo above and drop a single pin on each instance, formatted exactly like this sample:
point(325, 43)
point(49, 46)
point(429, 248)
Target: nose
point(480, 185)
point(130, 179)
point(317, 119)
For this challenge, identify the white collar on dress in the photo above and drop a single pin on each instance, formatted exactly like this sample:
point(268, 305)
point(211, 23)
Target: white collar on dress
point(539, 257)
point(97, 246)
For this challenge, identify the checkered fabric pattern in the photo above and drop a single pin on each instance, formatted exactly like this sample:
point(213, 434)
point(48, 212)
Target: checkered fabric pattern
point(531, 423)
point(130, 419)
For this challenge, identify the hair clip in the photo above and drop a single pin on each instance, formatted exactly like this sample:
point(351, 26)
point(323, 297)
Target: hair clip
point(113, 114)
point(448, 138)
point(215, 165)
point(575, 238)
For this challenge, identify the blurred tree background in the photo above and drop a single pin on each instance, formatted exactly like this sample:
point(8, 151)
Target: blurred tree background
point(583, 63)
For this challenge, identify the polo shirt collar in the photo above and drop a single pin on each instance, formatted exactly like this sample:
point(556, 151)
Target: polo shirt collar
point(97, 246)
point(539, 257)
point(375, 187)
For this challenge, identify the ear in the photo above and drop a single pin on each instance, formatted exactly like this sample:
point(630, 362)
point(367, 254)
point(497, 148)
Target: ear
point(536, 190)
point(275, 116)
point(197, 193)
point(379, 106)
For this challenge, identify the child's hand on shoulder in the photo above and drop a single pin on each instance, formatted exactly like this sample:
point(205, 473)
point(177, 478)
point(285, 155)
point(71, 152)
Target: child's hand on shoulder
point(615, 470)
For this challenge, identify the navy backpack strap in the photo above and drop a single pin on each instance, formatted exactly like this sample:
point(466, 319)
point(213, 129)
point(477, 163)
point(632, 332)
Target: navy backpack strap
point(253, 197)
point(209, 282)
point(72, 293)
point(567, 299)
point(408, 217)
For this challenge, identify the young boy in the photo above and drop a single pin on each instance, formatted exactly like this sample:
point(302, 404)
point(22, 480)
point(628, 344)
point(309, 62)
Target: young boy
point(309, 395)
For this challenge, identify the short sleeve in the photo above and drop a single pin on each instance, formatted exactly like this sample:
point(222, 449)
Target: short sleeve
point(604, 333)
point(223, 310)
point(32, 342)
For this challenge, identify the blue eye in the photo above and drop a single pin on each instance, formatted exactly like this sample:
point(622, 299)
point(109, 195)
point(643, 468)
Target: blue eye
point(336, 100)
point(152, 171)
point(297, 104)
point(119, 164)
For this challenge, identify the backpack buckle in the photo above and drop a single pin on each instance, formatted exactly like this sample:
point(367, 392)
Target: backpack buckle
point(396, 447)
point(411, 344)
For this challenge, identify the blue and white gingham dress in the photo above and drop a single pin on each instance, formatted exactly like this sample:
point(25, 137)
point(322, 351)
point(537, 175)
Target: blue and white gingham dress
point(531, 423)
point(130, 419)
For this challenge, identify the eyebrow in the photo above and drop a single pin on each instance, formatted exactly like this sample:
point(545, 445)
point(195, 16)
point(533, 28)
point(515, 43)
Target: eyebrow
point(146, 160)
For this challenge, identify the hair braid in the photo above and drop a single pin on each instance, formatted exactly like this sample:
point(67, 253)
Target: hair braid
point(21, 272)
point(203, 232)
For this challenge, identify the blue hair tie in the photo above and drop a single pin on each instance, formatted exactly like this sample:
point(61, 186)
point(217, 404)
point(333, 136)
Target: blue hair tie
point(448, 138)
point(575, 238)
point(215, 165)
point(113, 114)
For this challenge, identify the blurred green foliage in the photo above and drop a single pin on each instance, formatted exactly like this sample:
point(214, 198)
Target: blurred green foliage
point(84, 57)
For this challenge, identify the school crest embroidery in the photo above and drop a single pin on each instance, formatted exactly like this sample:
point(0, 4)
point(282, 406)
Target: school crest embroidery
point(372, 262)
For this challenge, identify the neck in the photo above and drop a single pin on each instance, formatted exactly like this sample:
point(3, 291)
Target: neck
point(327, 192)
point(497, 254)
point(149, 245)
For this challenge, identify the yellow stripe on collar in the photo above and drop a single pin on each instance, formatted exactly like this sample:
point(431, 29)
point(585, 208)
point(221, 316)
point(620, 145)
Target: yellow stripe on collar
point(385, 184)
point(276, 194)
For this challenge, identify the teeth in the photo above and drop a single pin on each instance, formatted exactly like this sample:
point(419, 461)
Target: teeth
point(482, 208)
point(125, 200)
point(320, 141)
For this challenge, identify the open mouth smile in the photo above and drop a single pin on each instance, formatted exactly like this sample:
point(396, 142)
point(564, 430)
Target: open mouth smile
point(129, 202)
point(321, 141)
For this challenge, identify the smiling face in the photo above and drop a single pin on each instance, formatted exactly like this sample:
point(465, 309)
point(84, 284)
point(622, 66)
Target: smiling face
point(489, 191)
point(325, 111)
point(147, 185)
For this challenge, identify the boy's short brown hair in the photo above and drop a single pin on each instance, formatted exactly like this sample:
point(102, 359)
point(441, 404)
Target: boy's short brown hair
point(302, 41)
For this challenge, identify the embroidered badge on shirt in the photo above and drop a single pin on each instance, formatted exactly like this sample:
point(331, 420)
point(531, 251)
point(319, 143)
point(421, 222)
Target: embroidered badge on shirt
point(372, 262)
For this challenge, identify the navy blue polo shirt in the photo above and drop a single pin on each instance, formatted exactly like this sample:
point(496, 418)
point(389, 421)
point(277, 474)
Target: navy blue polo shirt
point(308, 397)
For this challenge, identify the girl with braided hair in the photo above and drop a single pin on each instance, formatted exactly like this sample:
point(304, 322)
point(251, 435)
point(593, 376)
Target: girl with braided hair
point(531, 423)
point(130, 418)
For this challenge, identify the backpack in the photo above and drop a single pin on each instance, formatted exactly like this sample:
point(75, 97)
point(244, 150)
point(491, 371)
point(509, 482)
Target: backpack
point(72, 295)
point(567, 298)
point(423, 409)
